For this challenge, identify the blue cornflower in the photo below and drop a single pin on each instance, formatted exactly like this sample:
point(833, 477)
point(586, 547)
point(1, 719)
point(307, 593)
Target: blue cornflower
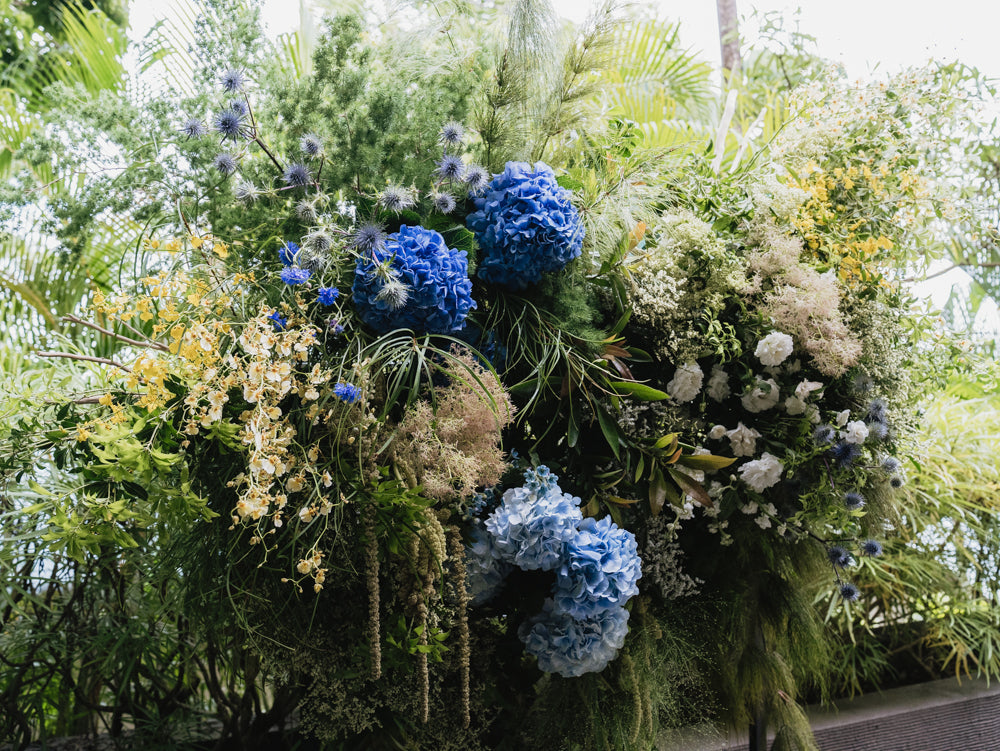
point(450, 167)
point(853, 501)
point(287, 253)
point(849, 591)
point(280, 324)
point(193, 127)
point(451, 134)
point(476, 179)
point(443, 203)
point(395, 198)
point(838, 556)
point(525, 225)
point(232, 80)
point(872, 548)
point(311, 145)
point(328, 295)
point(347, 392)
point(294, 275)
point(225, 163)
point(845, 454)
point(824, 435)
point(368, 236)
point(230, 124)
point(335, 326)
point(297, 175)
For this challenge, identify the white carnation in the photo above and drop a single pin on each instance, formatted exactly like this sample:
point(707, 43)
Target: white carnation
point(856, 432)
point(774, 349)
point(762, 473)
point(794, 405)
point(686, 383)
point(718, 384)
point(804, 389)
point(762, 397)
point(743, 440)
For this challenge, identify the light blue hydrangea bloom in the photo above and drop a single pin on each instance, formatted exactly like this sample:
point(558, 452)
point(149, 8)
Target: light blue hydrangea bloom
point(600, 569)
point(533, 523)
point(484, 572)
point(571, 646)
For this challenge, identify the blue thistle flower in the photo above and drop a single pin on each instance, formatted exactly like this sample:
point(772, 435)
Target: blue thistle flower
point(890, 465)
point(849, 591)
point(838, 556)
point(896, 481)
point(414, 282)
point(878, 410)
point(476, 179)
point(230, 124)
point(845, 454)
point(368, 237)
point(280, 323)
point(239, 107)
point(328, 295)
point(443, 203)
point(246, 191)
point(450, 168)
point(287, 253)
point(823, 435)
point(232, 80)
point(311, 145)
point(347, 392)
point(872, 548)
point(297, 175)
point(395, 198)
point(452, 134)
point(862, 383)
point(193, 127)
point(878, 431)
point(225, 163)
point(293, 275)
point(853, 501)
point(526, 226)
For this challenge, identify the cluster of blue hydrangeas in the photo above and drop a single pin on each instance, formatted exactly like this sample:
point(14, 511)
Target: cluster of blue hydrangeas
point(347, 392)
point(538, 527)
point(434, 277)
point(526, 226)
point(600, 569)
point(574, 646)
point(532, 525)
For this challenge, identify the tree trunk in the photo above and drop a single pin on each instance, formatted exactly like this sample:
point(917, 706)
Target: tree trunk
point(729, 35)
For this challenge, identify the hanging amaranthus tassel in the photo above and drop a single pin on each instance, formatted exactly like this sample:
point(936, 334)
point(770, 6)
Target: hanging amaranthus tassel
point(462, 597)
point(425, 677)
point(372, 574)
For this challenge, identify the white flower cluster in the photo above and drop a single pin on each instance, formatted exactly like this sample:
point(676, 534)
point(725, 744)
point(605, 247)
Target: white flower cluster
point(774, 349)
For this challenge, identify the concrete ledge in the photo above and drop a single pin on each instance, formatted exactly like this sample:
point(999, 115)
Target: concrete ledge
point(949, 715)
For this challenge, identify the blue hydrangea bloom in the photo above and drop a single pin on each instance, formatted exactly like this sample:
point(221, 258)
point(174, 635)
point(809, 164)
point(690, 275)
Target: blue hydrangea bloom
point(287, 253)
point(435, 277)
point(484, 571)
point(347, 392)
point(600, 570)
point(525, 225)
point(571, 646)
point(328, 295)
point(533, 523)
point(294, 275)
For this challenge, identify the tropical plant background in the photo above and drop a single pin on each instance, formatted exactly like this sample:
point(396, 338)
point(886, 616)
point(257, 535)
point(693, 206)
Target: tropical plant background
point(112, 637)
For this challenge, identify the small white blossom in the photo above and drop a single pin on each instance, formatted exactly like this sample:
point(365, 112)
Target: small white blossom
point(743, 440)
point(812, 412)
point(774, 349)
point(795, 406)
point(686, 383)
point(749, 508)
point(856, 432)
point(762, 397)
point(804, 389)
point(842, 418)
point(717, 432)
point(763, 521)
point(718, 384)
point(762, 473)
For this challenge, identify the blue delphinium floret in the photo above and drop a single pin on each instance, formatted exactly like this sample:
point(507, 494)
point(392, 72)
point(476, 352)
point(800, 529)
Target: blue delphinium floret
point(280, 323)
point(225, 163)
point(193, 127)
point(328, 295)
point(287, 253)
point(347, 392)
point(294, 275)
point(532, 525)
point(600, 569)
point(434, 279)
point(525, 225)
point(232, 80)
point(484, 571)
point(297, 176)
point(230, 124)
point(871, 548)
point(571, 646)
point(849, 591)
